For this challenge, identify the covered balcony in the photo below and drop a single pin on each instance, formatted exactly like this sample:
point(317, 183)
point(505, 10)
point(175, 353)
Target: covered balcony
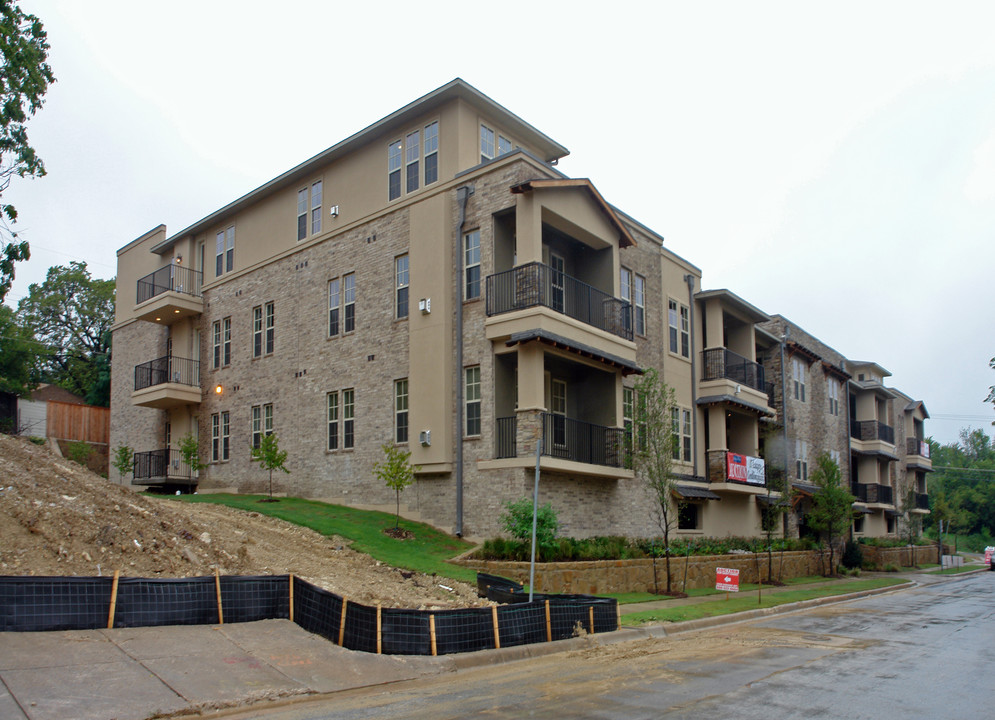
point(738, 472)
point(568, 439)
point(873, 493)
point(538, 285)
point(718, 363)
point(169, 294)
point(167, 382)
point(917, 454)
point(162, 467)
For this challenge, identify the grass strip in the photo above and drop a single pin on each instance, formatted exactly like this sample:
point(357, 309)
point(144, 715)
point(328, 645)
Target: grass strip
point(426, 552)
point(740, 603)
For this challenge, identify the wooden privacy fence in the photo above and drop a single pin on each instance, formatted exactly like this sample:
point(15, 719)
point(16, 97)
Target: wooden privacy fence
point(88, 423)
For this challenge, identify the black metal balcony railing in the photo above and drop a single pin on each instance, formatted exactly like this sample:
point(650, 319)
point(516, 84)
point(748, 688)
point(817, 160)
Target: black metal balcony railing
point(167, 369)
point(718, 363)
point(872, 430)
point(584, 442)
point(175, 278)
point(536, 284)
point(163, 465)
point(873, 493)
point(507, 428)
point(769, 389)
point(914, 446)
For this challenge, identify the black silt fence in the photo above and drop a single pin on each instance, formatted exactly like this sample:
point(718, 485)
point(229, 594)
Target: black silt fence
point(56, 603)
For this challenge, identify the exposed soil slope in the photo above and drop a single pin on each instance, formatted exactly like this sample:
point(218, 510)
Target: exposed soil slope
point(57, 518)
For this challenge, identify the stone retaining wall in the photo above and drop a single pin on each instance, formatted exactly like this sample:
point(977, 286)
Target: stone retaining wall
point(878, 557)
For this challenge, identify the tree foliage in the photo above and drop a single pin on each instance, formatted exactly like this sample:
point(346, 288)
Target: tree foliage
point(832, 505)
point(517, 522)
point(20, 359)
point(124, 460)
point(270, 457)
point(962, 486)
point(396, 472)
point(72, 314)
point(653, 450)
point(24, 78)
point(190, 452)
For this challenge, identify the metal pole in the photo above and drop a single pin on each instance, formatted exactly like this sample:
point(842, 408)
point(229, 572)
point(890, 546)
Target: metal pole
point(535, 518)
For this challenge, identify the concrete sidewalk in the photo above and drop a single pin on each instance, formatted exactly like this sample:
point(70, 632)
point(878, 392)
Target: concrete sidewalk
point(133, 674)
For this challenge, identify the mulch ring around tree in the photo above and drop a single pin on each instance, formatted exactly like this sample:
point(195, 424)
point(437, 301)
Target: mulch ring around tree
point(399, 533)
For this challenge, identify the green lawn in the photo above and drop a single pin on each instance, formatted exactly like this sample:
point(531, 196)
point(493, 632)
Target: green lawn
point(427, 552)
point(739, 603)
point(961, 569)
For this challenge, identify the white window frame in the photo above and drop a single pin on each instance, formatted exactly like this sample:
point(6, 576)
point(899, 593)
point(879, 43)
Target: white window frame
point(639, 303)
point(395, 160)
point(471, 265)
point(332, 416)
point(257, 331)
point(430, 152)
point(224, 259)
point(412, 160)
point(488, 143)
point(471, 400)
point(334, 307)
point(799, 370)
point(834, 397)
point(262, 423)
point(216, 345)
point(269, 320)
point(402, 295)
point(226, 341)
point(220, 437)
point(348, 419)
point(801, 460)
point(348, 303)
point(401, 427)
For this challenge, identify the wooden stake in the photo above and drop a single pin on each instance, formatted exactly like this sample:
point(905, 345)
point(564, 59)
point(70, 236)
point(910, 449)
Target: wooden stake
point(345, 603)
point(618, 616)
point(497, 635)
point(379, 636)
point(431, 631)
point(549, 626)
point(217, 590)
point(291, 597)
point(590, 615)
point(110, 613)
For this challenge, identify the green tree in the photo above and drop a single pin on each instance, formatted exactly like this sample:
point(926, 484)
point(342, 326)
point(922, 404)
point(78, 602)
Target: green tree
point(20, 359)
point(24, 78)
point(396, 472)
point(991, 388)
point(832, 505)
point(124, 460)
point(190, 452)
point(653, 451)
point(517, 522)
point(72, 314)
point(270, 458)
point(911, 522)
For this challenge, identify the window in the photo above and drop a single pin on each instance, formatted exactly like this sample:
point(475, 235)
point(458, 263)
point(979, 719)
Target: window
point(309, 204)
point(687, 516)
point(431, 144)
point(558, 408)
point(412, 144)
point(834, 396)
point(334, 297)
point(394, 170)
point(225, 251)
point(472, 400)
point(625, 284)
point(858, 524)
point(262, 423)
point(349, 298)
point(627, 409)
point(798, 378)
point(641, 417)
point(216, 334)
point(333, 421)
point(486, 143)
point(226, 341)
point(679, 322)
point(639, 304)
point(801, 462)
point(257, 331)
point(270, 328)
point(556, 284)
point(169, 433)
point(471, 264)
point(220, 433)
point(401, 285)
point(834, 455)
point(680, 422)
point(348, 419)
point(401, 411)
point(890, 525)
point(504, 145)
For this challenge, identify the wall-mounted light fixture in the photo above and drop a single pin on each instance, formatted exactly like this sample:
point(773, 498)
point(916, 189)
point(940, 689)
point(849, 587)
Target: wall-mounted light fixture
point(218, 389)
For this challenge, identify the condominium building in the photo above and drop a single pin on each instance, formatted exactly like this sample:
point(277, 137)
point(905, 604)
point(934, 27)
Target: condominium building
point(434, 282)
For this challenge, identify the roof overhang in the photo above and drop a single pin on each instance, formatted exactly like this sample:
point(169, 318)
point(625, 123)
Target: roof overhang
point(625, 238)
point(734, 302)
point(733, 400)
point(689, 492)
point(799, 349)
point(571, 346)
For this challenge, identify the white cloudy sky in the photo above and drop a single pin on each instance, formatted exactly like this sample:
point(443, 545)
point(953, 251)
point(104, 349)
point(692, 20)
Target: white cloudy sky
point(831, 162)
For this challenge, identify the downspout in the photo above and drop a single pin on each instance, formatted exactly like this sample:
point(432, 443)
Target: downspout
point(849, 453)
point(462, 197)
point(784, 408)
point(689, 279)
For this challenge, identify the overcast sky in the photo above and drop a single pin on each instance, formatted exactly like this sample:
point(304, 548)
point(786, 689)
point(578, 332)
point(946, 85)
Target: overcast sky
point(833, 163)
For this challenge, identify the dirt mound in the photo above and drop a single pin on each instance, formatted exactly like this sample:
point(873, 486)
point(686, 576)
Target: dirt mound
point(57, 518)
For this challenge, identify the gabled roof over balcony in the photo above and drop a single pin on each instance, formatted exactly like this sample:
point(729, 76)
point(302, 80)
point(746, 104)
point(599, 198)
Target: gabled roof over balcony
point(563, 214)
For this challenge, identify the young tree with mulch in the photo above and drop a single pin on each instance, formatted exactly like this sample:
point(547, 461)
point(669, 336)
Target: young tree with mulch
point(832, 505)
point(396, 472)
point(271, 458)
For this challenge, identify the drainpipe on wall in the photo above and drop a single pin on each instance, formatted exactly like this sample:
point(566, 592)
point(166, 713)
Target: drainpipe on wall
point(784, 410)
point(848, 480)
point(689, 279)
point(462, 197)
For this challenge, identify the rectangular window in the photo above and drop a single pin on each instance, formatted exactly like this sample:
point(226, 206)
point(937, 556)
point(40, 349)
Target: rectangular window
point(349, 298)
point(627, 409)
point(503, 146)
point(486, 143)
point(412, 146)
point(680, 421)
point(625, 284)
point(639, 304)
point(225, 435)
point(401, 286)
point(834, 455)
point(333, 421)
point(685, 331)
point(230, 249)
point(309, 205)
point(679, 325)
point(472, 400)
point(401, 411)
point(687, 516)
point(558, 408)
point(394, 170)
point(798, 373)
point(219, 266)
point(471, 265)
point(431, 144)
point(316, 207)
point(348, 418)
point(641, 418)
point(220, 433)
point(270, 328)
point(257, 331)
point(302, 213)
point(334, 297)
point(216, 333)
point(801, 462)
point(834, 397)
point(675, 431)
point(686, 435)
point(226, 341)
point(262, 423)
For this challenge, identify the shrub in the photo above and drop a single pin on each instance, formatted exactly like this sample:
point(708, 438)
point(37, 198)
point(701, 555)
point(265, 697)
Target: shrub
point(853, 556)
point(517, 522)
point(37, 440)
point(890, 567)
point(79, 451)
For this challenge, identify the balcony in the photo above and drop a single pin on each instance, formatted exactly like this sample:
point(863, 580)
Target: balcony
point(537, 285)
point(871, 493)
point(719, 363)
point(871, 430)
point(739, 472)
point(567, 439)
point(169, 294)
point(917, 454)
point(167, 382)
point(162, 467)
